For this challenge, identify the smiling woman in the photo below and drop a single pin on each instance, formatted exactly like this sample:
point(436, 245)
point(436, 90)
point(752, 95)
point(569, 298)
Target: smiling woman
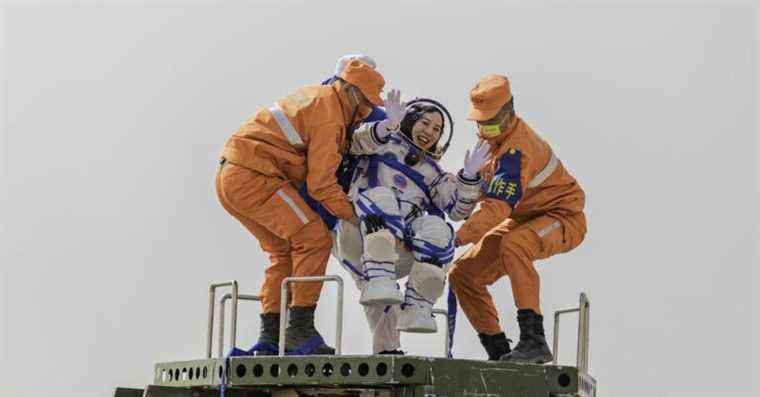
point(427, 130)
point(423, 127)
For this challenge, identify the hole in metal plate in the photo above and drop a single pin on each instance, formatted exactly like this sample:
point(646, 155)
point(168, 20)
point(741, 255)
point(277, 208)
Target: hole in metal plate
point(382, 369)
point(363, 369)
point(327, 369)
point(407, 370)
point(292, 370)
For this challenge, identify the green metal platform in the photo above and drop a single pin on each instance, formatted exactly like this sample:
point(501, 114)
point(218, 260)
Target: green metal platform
point(366, 376)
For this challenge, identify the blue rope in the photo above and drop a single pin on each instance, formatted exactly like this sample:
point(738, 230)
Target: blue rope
point(451, 317)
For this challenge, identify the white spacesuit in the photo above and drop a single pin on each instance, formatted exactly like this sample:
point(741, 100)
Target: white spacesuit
point(401, 197)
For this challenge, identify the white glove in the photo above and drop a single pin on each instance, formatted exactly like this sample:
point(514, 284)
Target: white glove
point(474, 161)
point(395, 110)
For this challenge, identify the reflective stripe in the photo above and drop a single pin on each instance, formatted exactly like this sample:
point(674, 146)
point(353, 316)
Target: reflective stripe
point(548, 229)
point(293, 206)
point(545, 173)
point(287, 128)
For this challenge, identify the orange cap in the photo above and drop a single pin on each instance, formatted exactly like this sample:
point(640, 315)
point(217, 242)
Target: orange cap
point(369, 81)
point(488, 96)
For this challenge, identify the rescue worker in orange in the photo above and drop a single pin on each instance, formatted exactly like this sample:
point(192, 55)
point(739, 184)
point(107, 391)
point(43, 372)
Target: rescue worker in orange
point(300, 139)
point(532, 208)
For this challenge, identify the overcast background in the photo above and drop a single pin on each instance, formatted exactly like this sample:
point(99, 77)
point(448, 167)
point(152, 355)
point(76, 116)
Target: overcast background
point(114, 115)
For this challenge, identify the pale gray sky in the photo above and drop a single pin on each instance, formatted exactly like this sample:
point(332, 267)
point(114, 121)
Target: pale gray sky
point(114, 115)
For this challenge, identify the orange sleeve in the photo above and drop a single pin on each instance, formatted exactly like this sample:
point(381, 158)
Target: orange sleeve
point(323, 159)
point(505, 189)
point(491, 213)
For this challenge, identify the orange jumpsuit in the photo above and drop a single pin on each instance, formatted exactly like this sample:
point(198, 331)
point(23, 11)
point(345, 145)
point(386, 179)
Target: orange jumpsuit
point(532, 209)
point(263, 164)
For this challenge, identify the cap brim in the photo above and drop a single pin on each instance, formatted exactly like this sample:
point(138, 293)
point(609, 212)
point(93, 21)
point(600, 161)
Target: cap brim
point(375, 99)
point(481, 115)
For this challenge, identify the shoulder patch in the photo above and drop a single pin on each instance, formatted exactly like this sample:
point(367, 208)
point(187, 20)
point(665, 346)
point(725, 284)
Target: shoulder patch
point(505, 184)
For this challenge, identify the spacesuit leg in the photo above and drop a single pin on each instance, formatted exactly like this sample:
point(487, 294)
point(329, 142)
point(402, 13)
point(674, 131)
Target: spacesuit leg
point(382, 320)
point(381, 225)
point(433, 249)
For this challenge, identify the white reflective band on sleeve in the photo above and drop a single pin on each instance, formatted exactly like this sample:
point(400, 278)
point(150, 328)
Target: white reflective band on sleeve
point(293, 206)
point(545, 173)
point(548, 229)
point(285, 125)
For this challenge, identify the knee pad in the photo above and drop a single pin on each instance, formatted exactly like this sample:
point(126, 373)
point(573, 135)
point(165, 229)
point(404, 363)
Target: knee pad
point(428, 280)
point(380, 246)
point(432, 240)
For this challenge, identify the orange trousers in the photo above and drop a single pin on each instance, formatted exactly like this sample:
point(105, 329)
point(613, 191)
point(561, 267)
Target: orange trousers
point(510, 249)
point(296, 239)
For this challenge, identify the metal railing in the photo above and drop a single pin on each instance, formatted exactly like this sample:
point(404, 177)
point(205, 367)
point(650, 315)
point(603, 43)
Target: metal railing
point(211, 302)
point(284, 307)
point(222, 305)
point(445, 313)
point(584, 310)
point(236, 296)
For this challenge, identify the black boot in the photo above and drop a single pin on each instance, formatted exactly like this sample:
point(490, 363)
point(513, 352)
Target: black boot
point(397, 352)
point(496, 345)
point(269, 336)
point(301, 338)
point(532, 347)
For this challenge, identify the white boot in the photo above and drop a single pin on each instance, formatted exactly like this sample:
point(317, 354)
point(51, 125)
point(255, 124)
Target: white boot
point(381, 292)
point(416, 314)
point(379, 261)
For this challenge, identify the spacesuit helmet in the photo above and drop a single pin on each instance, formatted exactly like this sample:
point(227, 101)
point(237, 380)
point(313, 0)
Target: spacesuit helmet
point(416, 111)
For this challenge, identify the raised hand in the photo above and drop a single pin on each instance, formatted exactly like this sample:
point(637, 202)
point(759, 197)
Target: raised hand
point(395, 110)
point(475, 159)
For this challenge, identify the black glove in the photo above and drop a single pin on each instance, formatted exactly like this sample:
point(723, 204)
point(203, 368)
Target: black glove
point(373, 223)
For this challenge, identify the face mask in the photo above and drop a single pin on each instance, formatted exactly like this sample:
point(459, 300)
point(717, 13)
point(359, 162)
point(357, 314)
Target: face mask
point(364, 113)
point(491, 130)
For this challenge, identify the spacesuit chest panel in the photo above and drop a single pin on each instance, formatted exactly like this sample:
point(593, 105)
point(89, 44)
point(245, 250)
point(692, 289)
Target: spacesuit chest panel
point(411, 184)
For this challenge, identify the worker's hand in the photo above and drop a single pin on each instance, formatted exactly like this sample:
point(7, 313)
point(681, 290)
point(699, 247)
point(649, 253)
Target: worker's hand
point(395, 110)
point(475, 159)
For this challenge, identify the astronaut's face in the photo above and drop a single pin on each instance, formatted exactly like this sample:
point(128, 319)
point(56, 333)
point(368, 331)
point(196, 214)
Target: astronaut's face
point(427, 130)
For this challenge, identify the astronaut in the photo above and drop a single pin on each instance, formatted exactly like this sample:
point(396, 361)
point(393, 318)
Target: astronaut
point(401, 197)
